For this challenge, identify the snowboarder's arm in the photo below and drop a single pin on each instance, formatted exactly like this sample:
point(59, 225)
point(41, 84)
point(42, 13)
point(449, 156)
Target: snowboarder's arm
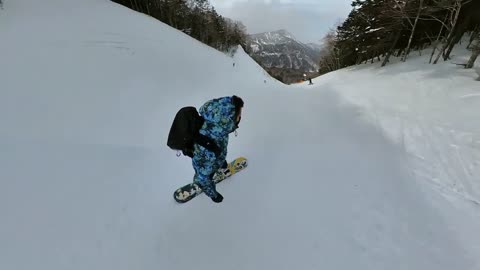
point(209, 144)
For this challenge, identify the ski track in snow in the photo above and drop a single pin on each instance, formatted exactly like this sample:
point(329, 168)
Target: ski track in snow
point(470, 95)
point(425, 111)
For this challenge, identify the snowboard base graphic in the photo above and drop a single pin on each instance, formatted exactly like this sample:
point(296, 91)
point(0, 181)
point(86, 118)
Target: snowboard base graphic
point(191, 190)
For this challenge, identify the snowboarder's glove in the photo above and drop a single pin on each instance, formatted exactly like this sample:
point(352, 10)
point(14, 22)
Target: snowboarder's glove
point(218, 198)
point(188, 152)
point(209, 144)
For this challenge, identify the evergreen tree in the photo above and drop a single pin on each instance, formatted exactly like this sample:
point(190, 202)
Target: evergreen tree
point(377, 29)
point(196, 18)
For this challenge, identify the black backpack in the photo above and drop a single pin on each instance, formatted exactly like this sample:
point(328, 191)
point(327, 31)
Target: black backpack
point(184, 132)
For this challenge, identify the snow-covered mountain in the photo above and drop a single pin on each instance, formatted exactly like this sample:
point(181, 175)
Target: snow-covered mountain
point(314, 46)
point(280, 49)
point(368, 169)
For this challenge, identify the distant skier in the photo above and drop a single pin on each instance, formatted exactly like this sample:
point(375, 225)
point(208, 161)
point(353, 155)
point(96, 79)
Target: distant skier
point(310, 80)
point(222, 116)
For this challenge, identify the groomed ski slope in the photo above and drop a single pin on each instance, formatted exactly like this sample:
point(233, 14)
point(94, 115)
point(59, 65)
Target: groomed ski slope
point(430, 111)
point(88, 92)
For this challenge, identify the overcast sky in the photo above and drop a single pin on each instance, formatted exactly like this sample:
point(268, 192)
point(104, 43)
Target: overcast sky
point(307, 20)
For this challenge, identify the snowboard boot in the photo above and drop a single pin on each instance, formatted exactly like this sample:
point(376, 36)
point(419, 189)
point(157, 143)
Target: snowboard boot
point(218, 198)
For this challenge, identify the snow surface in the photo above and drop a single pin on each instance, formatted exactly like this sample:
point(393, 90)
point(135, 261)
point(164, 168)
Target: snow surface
point(430, 111)
point(89, 90)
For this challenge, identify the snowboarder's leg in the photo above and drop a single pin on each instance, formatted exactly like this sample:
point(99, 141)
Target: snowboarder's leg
point(221, 162)
point(205, 164)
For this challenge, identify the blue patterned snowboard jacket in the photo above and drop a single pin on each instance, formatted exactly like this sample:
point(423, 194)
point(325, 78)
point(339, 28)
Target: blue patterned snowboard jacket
point(219, 115)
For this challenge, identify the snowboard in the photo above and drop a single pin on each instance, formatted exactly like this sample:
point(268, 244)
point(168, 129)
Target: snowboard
point(192, 190)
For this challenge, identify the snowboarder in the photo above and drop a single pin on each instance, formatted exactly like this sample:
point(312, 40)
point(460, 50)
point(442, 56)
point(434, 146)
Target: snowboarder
point(221, 117)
